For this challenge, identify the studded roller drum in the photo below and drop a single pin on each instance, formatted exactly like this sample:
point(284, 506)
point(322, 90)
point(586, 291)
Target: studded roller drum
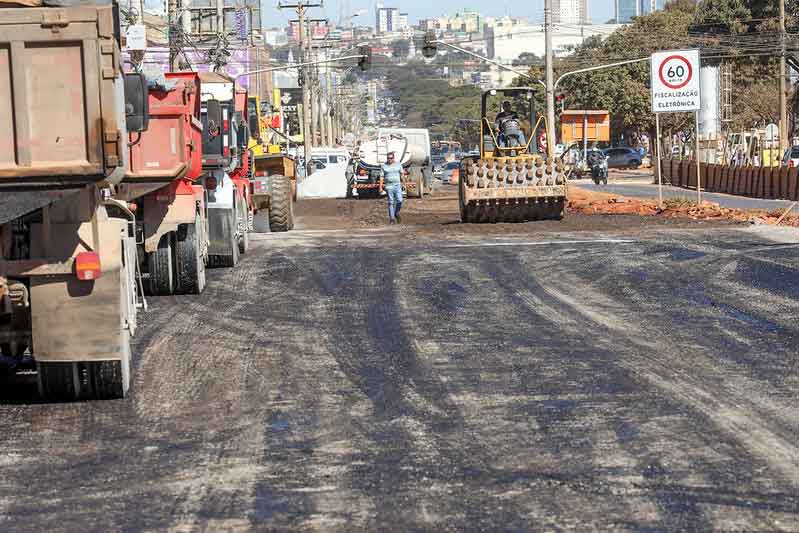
point(512, 189)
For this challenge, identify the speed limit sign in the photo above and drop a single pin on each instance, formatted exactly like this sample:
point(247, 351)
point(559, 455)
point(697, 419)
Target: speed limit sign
point(675, 81)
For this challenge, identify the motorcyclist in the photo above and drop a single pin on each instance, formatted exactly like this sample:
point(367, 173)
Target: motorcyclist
point(503, 116)
point(596, 160)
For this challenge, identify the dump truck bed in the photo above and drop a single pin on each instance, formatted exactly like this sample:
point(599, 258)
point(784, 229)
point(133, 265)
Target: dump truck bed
point(58, 115)
point(61, 113)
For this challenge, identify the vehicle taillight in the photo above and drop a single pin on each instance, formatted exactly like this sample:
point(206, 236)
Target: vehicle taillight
point(261, 173)
point(210, 183)
point(225, 151)
point(87, 266)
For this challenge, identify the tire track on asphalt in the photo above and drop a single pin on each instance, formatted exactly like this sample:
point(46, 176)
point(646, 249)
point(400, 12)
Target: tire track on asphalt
point(733, 413)
point(417, 429)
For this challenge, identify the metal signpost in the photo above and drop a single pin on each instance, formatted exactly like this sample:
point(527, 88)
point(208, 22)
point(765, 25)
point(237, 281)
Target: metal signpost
point(675, 88)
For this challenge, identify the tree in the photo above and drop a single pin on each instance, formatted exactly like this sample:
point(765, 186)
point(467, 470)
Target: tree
point(526, 59)
point(624, 91)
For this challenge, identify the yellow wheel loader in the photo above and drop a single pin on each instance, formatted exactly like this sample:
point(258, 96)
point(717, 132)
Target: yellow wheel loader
point(511, 180)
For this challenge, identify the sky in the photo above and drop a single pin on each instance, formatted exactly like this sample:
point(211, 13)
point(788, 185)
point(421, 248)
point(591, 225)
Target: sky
point(599, 10)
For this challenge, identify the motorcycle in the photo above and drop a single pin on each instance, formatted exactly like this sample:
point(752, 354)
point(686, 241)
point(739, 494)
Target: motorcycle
point(599, 167)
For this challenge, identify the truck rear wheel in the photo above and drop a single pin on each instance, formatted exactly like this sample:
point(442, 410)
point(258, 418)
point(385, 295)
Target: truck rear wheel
point(161, 268)
point(189, 259)
point(58, 381)
point(281, 210)
point(244, 224)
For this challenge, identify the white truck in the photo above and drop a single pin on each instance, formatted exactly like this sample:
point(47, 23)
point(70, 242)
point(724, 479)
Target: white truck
point(421, 172)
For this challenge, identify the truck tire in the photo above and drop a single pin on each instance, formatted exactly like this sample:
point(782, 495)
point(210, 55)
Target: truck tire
point(161, 268)
point(108, 380)
point(244, 239)
point(189, 259)
point(420, 184)
point(57, 381)
point(281, 211)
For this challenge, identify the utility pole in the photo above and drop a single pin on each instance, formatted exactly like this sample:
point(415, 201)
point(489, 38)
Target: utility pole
point(301, 7)
point(550, 79)
point(331, 135)
point(783, 83)
point(173, 32)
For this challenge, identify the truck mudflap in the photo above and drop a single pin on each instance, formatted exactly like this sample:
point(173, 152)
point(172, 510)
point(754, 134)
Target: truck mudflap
point(221, 225)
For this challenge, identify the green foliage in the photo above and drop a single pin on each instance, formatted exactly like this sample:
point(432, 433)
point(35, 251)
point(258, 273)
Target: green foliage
point(624, 91)
point(723, 28)
point(432, 103)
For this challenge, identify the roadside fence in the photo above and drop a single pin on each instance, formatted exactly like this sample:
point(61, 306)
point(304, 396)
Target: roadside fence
point(770, 183)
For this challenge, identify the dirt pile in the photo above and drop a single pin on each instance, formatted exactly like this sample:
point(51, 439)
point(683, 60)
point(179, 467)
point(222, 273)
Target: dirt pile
point(599, 203)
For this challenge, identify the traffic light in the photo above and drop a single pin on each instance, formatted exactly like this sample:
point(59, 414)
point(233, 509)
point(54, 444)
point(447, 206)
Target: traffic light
point(429, 48)
point(366, 57)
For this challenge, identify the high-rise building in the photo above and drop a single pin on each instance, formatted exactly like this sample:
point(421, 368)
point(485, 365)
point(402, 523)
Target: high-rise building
point(627, 9)
point(570, 11)
point(387, 19)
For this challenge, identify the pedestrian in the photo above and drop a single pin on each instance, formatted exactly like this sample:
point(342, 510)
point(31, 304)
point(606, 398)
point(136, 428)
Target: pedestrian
point(392, 182)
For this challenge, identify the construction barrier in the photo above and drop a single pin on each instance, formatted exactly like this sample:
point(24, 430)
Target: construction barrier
point(770, 183)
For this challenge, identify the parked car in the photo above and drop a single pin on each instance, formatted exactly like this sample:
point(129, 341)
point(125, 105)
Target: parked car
point(623, 158)
point(791, 157)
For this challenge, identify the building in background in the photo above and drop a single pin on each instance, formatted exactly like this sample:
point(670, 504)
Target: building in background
point(506, 42)
point(402, 22)
point(387, 19)
point(650, 6)
point(570, 12)
point(626, 10)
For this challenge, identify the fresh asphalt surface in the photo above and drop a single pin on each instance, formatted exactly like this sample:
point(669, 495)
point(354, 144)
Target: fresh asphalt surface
point(648, 190)
point(589, 374)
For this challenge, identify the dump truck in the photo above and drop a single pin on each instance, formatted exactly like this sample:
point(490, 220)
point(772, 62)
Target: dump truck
point(163, 179)
point(511, 180)
point(67, 246)
point(224, 146)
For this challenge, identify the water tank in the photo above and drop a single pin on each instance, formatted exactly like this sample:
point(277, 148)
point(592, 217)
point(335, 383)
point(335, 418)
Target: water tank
point(710, 112)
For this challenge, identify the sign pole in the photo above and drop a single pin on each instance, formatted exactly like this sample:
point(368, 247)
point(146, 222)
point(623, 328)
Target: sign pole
point(698, 163)
point(657, 148)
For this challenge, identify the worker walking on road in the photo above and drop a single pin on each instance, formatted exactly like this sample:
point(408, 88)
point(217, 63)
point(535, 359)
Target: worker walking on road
point(392, 180)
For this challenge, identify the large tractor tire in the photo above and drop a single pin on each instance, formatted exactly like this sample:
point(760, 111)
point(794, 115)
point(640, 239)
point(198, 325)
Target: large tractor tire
point(161, 268)
point(281, 210)
point(510, 173)
point(189, 259)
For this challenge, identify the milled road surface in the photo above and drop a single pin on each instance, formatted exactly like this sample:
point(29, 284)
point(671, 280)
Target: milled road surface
point(598, 373)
